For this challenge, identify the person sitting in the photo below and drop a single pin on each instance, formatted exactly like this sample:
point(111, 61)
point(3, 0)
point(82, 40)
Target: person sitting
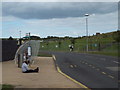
point(25, 68)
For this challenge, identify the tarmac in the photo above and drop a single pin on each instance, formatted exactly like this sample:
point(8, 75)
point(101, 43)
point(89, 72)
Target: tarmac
point(48, 76)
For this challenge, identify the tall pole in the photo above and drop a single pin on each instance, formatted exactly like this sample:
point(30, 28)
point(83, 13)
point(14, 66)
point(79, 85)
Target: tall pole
point(29, 38)
point(20, 34)
point(20, 42)
point(87, 32)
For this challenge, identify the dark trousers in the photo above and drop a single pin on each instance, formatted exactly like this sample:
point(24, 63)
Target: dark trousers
point(32, 71)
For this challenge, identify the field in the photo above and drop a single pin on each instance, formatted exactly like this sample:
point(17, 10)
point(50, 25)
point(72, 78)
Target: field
point(105, 43)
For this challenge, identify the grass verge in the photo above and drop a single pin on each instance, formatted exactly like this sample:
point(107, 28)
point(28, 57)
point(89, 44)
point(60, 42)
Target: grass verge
point(115, 54)
point(44, 55)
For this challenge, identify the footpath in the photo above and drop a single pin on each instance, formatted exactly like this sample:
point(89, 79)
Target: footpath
point(48, 76)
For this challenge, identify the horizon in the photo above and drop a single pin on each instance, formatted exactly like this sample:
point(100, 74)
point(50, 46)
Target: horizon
point(57, 36)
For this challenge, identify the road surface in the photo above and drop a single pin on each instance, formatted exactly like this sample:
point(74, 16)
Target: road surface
point(94, 71)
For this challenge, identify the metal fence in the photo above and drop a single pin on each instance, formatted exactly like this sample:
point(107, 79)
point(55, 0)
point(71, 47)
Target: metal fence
point(19, 57)
point(8, 49)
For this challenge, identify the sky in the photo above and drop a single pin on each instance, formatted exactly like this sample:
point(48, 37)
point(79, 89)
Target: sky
point(58, 18)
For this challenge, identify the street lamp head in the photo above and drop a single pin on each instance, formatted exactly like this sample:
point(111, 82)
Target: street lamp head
point(86, 14)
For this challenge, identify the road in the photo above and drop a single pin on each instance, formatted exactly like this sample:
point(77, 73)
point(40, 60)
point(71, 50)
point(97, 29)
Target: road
point(94, 71)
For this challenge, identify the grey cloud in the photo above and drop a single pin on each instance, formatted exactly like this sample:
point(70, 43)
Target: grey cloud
point(30, 10)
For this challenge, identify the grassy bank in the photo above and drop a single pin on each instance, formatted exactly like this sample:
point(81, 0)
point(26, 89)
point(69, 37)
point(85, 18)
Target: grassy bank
point(41, 54)
point(104, 44)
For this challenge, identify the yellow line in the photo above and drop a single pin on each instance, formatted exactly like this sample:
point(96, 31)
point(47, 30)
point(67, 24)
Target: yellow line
point(83, 86)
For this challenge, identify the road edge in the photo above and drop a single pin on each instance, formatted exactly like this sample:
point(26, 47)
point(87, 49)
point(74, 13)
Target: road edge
point(58, 69)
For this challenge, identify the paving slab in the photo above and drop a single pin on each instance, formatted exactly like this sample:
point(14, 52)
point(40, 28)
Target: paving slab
point(48, 76)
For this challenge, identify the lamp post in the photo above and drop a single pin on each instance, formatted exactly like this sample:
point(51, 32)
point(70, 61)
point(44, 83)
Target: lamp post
point(87, 32)
point(20, 41)
point(20, 34)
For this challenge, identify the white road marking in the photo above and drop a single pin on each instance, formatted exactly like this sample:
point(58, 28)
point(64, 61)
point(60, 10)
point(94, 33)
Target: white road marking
point(75, 65)
point(71, 66)
point(110, 76)
point(103, 73)
point(98, 69)
point(115, 62)
point(90, 65)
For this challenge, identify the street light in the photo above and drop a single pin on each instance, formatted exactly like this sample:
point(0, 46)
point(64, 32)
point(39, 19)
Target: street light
point(20, 34)
point(87, 31)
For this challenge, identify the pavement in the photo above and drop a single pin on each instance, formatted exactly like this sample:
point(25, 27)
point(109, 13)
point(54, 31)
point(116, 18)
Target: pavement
point(48, 76)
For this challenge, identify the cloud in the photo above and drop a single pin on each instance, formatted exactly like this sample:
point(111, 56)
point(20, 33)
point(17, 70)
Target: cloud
point(40, 10)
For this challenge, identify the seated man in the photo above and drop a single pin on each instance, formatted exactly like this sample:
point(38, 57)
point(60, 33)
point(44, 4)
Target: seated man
point(25, 68)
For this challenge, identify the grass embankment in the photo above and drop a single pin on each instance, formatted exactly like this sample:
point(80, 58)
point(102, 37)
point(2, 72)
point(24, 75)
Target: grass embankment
point(98, 44)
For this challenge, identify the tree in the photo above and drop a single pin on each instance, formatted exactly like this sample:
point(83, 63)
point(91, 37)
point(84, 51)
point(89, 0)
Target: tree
point(59, 43)
point(73, 41)
point(10, 38)
point(34, 37)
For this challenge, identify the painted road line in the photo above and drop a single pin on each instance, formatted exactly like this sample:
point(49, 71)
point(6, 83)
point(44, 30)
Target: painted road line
point(90, 65)
point(83, 86)
point(110, 76)
point(98, 69)
point(75, 65)
point(71, 66)
point(86, 63)
point(103, 73)
point(93, 67)
point(115, 62)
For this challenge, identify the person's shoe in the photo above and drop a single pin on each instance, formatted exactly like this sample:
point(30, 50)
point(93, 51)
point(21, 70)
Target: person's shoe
point(37, 69)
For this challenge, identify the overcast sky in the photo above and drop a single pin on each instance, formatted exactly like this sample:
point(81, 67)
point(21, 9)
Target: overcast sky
point(58, 18)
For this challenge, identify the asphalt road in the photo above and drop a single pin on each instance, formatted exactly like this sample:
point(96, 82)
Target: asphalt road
point(94, 71)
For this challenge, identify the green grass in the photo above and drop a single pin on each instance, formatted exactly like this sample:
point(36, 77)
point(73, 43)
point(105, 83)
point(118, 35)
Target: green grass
point(98, 44)
point(7, 87)
point(105, 53)
point(44, 55)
